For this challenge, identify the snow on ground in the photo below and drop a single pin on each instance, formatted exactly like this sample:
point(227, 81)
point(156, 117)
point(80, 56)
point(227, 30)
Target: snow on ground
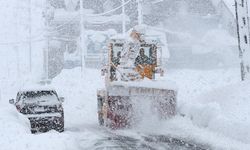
point(215, 106)
point(80, 95)
point(214, 103)
point(79, 106)
point(226, 110)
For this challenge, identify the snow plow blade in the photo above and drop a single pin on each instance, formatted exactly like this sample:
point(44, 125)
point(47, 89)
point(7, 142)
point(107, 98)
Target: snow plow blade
point(118, 107)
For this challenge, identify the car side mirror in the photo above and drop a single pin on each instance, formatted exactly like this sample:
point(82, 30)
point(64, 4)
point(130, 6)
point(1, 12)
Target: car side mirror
point(11, 101)
point(61, 99)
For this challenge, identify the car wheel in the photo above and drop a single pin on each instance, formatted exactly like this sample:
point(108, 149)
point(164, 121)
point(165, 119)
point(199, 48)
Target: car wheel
point(33, 131)
point(34, 126)
point(60, 127)
point(60, 124)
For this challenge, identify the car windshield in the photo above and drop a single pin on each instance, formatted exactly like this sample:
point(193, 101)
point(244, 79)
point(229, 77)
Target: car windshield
point(39, 97)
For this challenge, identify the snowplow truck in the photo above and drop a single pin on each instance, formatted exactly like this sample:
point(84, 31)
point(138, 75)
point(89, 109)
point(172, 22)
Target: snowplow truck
point(131, 82)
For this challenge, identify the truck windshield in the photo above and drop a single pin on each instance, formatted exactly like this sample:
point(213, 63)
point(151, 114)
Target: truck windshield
point(39, 96)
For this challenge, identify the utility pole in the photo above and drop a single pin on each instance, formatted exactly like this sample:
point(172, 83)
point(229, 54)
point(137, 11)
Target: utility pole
point(241, 10)
point(30, 44)
point(82, 38)
point(123, 18)
point(139, 9)
point(48, 17)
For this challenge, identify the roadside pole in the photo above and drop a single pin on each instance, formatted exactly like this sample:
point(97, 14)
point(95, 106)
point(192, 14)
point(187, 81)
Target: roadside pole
point(242, 22)
point(82, 39)
point(46, 48)
point(139, 9)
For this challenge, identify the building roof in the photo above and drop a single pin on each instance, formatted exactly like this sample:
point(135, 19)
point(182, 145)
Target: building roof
point(230, 4)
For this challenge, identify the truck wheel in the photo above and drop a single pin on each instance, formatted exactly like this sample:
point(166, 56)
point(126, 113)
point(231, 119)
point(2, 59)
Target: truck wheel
point(100, 119)
point(33, 126)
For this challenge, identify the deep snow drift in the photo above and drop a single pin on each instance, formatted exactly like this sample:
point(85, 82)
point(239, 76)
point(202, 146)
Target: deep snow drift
point(214, 103)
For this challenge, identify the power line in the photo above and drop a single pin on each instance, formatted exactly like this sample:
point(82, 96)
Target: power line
point(95, 15)
point(63, 26)
point(20, 42)
point(110, 11)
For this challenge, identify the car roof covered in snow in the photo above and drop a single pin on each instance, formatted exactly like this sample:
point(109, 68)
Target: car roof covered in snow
point(37, 88)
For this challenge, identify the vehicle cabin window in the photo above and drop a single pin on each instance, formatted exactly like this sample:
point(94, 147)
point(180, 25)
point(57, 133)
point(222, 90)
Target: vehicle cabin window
point(150, 52)
point(116, 49)
point(36, 94)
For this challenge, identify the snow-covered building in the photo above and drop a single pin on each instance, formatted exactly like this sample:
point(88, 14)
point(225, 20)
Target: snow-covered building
point(66, 29)
point(63, 32)
point(190, 23)
point(226, 13)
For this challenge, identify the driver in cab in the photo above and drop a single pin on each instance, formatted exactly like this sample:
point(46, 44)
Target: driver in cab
point(142, 59)
point(143, 65)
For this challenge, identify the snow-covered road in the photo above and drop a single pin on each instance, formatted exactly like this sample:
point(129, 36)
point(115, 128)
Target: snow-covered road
point(201, 128)
point(113, 140)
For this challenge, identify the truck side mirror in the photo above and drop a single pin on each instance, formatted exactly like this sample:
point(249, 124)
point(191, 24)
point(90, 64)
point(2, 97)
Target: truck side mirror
point(61, 99)
point(11, 101)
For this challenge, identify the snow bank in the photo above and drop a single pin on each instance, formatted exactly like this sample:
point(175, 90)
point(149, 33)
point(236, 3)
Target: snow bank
point(184, 128)
point(12, 122)
point(15, 134)
point(224, 110)
point(214, 103)
point(80, 109)
point(79, 90)
point(215, 109)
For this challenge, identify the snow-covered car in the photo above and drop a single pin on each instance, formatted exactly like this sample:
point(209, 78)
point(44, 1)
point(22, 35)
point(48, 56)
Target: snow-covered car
point(43, 108)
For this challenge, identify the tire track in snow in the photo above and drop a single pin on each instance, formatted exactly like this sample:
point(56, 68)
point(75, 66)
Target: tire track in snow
point(174, 143)
point(109, 140)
